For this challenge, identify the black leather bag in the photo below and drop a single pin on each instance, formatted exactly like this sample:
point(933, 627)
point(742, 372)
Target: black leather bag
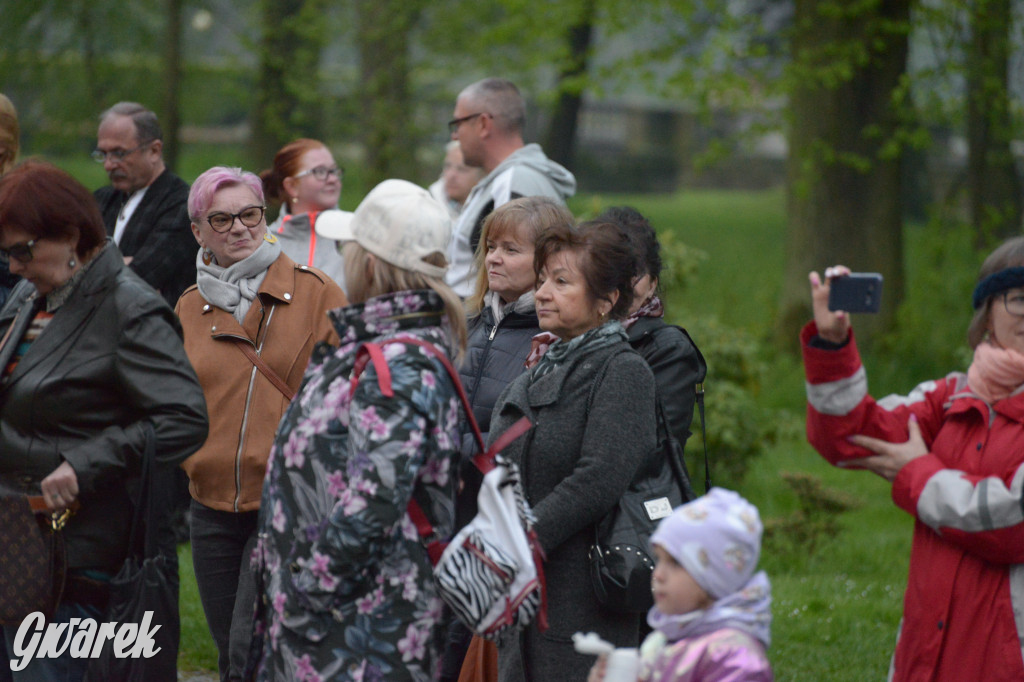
point(621, 560)
point(146, 582)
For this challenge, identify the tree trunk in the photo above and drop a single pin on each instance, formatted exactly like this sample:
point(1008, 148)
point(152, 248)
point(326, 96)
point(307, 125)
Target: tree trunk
point(993, 185)
point(383, 38)
point(171, 115)
point(288, 90)
point(844, 196)
point(561, 140)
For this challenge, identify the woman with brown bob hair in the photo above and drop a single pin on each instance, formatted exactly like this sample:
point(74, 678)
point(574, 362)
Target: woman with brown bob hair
point(591, 398)
point(91, 356)
point(953, 450)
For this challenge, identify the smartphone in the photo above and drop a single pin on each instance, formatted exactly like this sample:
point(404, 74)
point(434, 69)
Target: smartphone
point(858, 292)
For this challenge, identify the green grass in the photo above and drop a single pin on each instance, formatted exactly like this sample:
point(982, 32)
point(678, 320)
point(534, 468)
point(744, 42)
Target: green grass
point(196, 651)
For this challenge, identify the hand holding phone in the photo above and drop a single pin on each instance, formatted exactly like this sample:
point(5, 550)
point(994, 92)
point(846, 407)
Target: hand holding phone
point(858, 292)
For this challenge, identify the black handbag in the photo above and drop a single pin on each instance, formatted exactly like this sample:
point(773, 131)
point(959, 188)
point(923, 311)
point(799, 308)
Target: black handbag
point(147, 582)
point(621, 560)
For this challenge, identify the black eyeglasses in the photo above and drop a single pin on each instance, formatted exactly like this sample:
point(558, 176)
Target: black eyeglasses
point(249, 216)
point(1013, 301)
point(19, 252)
point(454, 124)
point(99, 156)
point(322, 172)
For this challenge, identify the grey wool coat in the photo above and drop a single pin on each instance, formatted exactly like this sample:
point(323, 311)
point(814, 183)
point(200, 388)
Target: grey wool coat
point(587, 443)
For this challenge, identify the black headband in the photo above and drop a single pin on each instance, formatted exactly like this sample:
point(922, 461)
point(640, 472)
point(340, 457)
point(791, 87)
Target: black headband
point(996, 283)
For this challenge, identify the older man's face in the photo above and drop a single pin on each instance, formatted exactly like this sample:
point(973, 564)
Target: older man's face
point(141, 164)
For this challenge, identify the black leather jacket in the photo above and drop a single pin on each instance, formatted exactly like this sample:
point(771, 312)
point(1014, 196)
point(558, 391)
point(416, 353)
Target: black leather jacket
point(109, 359)
point(678, 367)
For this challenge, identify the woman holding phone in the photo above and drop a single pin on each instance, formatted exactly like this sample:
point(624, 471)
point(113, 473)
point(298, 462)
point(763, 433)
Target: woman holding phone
point(964, 586)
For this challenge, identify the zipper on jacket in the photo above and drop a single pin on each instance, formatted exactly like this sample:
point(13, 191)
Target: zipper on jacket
point(483, 361)
point(245, 414)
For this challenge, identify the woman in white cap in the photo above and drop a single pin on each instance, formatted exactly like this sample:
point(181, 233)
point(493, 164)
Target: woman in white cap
point(347, 585)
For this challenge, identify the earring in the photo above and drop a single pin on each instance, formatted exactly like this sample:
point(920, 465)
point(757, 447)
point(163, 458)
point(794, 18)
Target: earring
point(207, 256)
point(72, 262)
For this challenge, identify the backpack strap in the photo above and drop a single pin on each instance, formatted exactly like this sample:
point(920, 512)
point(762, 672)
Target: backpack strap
point(484, 459)
point(699, 391)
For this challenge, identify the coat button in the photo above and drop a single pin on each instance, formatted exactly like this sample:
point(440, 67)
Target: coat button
point(213, 328)
point(287, 297)
point(979, 447)
point(940, 624)
point(303, 267)
point(206, 307)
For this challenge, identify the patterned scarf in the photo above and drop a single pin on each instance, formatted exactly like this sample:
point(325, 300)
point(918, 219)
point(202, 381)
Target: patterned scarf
point(995, 372)
point(591, 340)
point(652, 307)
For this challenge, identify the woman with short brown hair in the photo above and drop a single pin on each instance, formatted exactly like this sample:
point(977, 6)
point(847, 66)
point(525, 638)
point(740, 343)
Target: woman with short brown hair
point(591, 398)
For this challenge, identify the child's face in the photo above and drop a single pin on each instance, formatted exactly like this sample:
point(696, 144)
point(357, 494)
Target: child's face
point(675, 591)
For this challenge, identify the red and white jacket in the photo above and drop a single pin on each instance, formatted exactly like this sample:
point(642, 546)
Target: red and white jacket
point(963, 611)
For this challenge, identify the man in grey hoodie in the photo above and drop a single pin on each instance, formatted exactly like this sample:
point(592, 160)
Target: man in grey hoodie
point(488, 122)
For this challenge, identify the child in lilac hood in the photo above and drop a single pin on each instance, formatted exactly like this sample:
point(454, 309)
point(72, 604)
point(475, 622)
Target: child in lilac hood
point(711, 613)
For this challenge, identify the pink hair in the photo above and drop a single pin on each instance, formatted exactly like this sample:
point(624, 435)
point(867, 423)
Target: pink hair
point(212, 181)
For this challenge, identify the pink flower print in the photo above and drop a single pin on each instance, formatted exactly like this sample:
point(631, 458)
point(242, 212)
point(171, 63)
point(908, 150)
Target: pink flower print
point(435, 608)
point(366, 487)
point(435, 471)
point(413, 645)
point(393, 350)
point(409, 587)
point(371, 601)
point(336, 484)
point(429, 379)
point(319, 566)
point(305, 671)
point(294, 449)
point(350, 502)
point(278, 520)
point(370, 422)
point(279, 600)
point(414, 442)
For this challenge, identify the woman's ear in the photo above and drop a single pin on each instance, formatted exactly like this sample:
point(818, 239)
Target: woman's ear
point(610, 302)
point(289, 188)
point(195, 233)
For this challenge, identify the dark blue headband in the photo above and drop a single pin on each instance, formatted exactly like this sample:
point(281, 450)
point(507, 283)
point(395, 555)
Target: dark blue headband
point(997, 282)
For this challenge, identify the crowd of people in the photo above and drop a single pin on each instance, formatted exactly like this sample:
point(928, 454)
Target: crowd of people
point(245, 345)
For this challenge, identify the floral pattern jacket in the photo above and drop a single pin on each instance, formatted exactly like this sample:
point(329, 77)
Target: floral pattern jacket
point(346, 587)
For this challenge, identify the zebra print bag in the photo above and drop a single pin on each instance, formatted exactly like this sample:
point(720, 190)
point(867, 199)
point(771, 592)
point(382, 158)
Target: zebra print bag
point(491, 574)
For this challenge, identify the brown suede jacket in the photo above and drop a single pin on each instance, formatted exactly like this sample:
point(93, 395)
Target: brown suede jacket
point(288, 317)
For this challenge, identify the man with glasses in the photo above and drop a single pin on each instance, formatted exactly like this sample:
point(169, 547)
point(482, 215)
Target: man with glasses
point(488, 123)
point(144, 206)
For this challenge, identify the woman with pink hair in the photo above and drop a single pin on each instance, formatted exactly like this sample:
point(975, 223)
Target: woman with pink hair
point(250, 324)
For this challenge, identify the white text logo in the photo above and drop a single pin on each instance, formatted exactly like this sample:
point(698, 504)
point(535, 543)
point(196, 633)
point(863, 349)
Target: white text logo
point(81, 638)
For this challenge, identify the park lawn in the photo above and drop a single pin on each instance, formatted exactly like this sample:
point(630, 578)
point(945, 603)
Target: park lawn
point(837, 604)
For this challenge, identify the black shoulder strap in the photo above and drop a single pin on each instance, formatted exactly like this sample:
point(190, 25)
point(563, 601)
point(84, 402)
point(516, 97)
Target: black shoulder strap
point(699, 390)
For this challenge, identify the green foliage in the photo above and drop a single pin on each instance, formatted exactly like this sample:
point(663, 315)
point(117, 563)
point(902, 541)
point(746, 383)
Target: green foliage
point(816, 518)
point(740, 425)
point(930, 336)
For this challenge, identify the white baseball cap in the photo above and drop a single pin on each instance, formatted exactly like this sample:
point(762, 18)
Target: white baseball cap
point(398, 222)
